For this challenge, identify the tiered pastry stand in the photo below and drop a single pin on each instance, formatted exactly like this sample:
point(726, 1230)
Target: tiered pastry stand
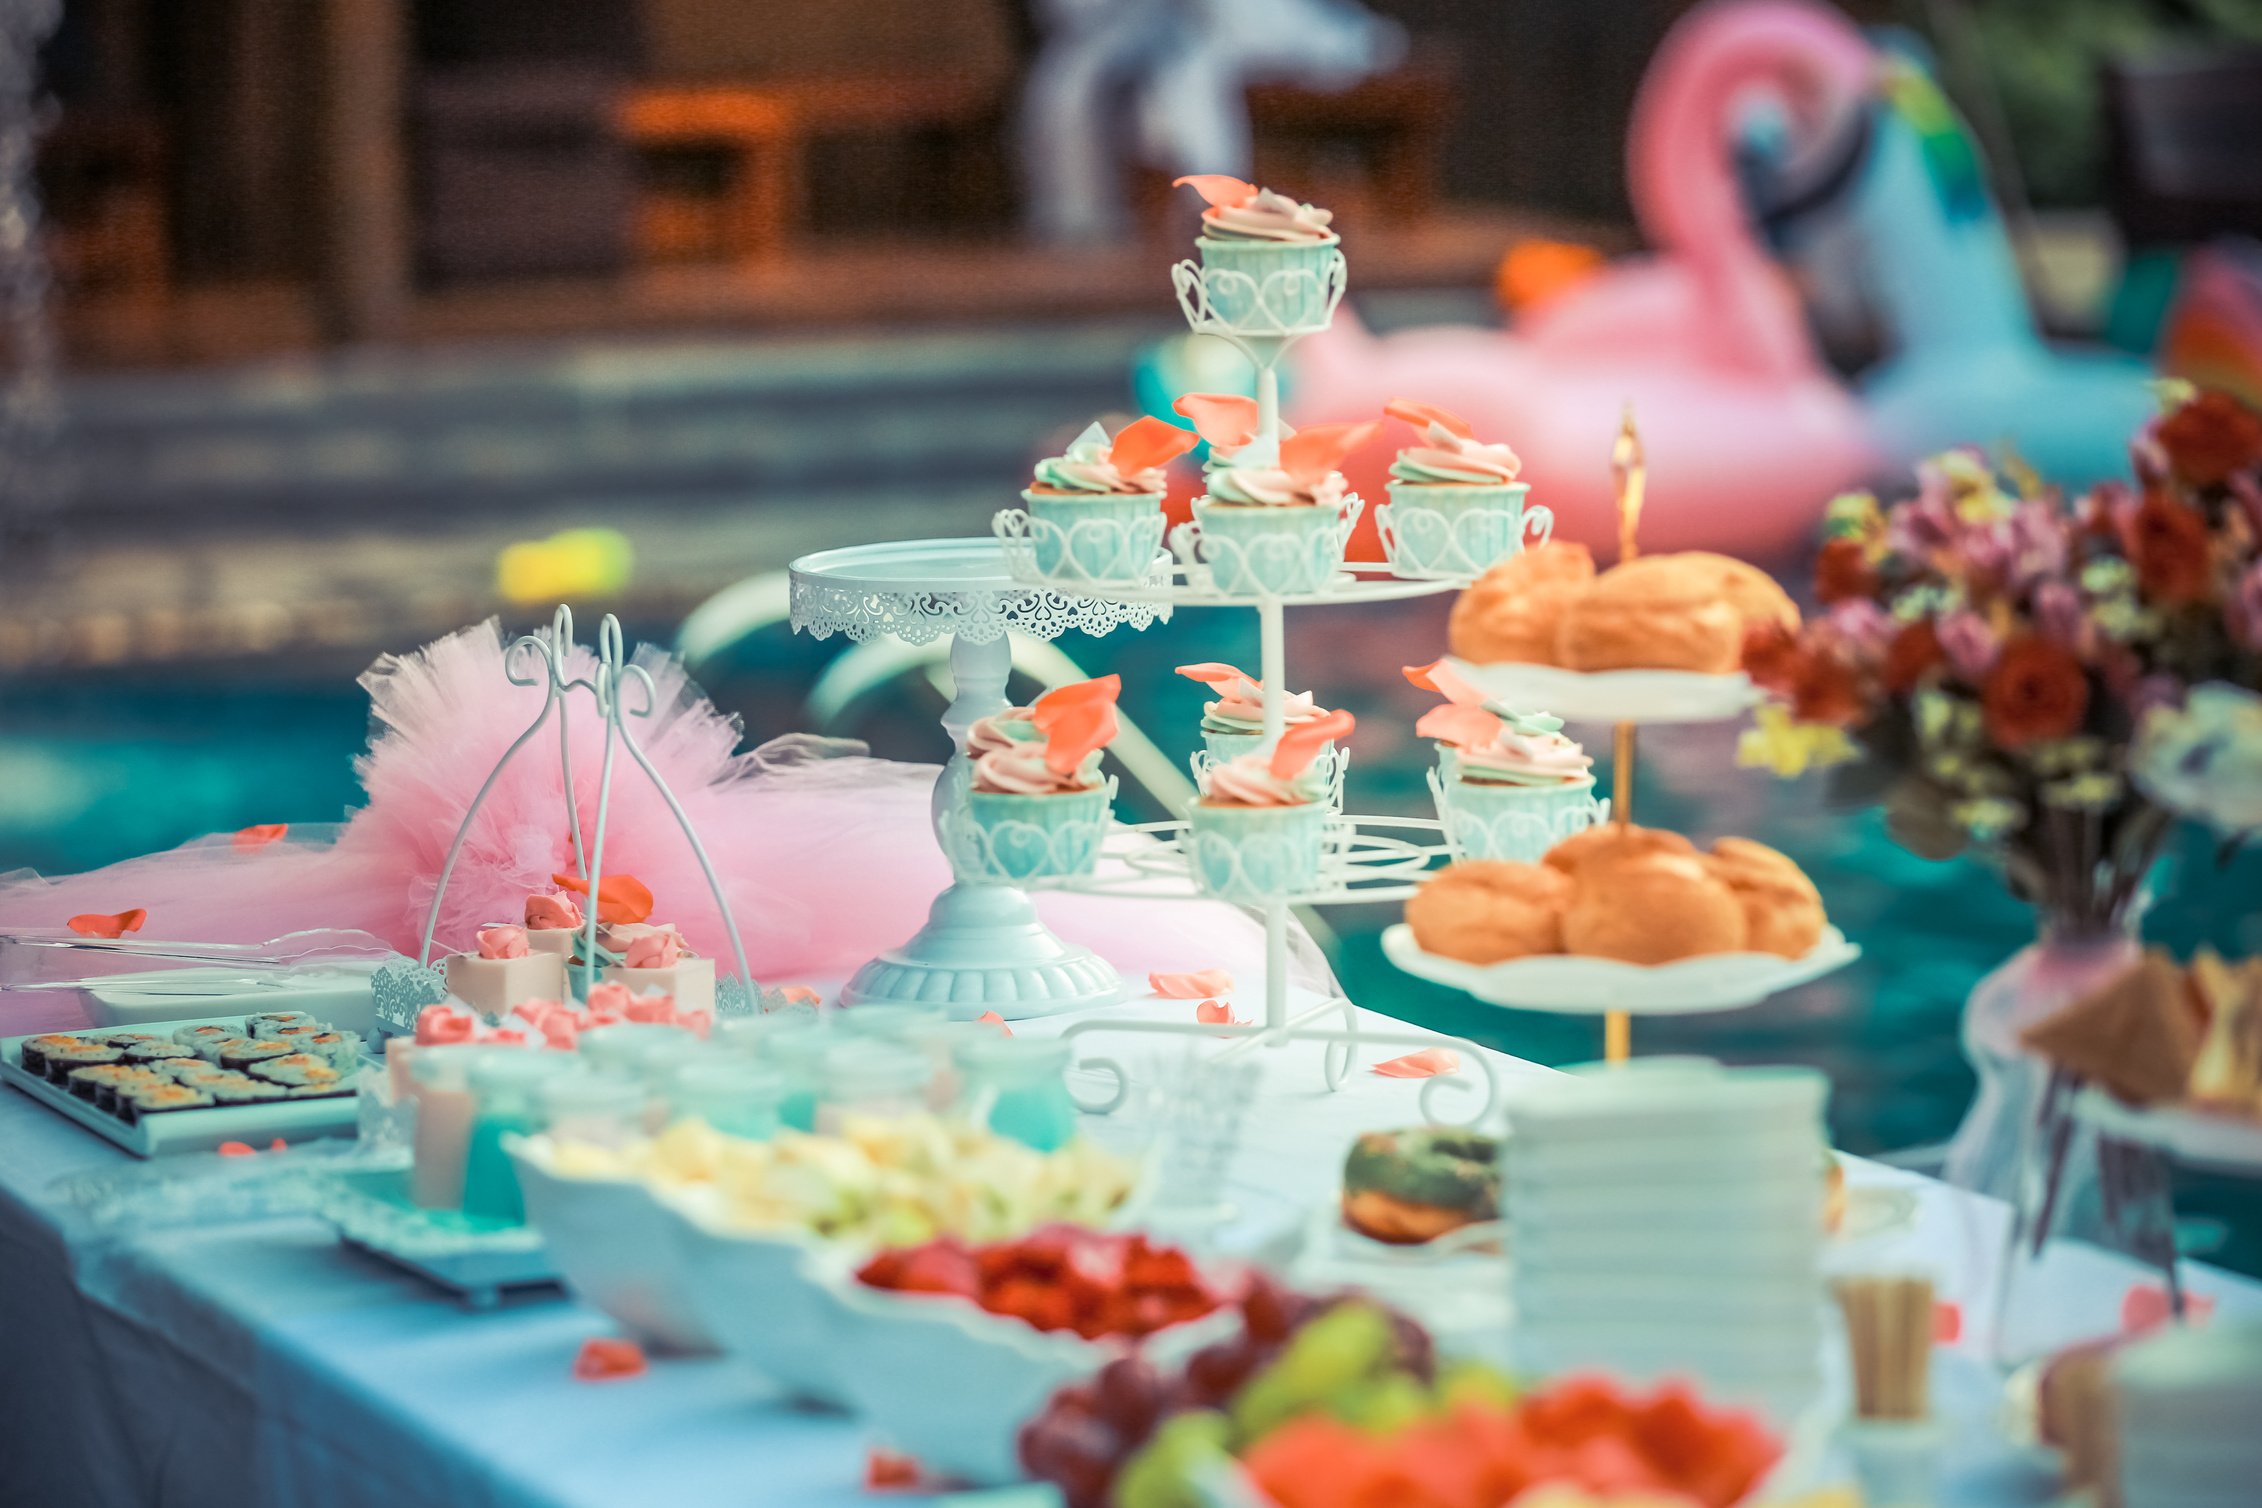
point(983, 948)
point(1573, 985)
point(1366, 859)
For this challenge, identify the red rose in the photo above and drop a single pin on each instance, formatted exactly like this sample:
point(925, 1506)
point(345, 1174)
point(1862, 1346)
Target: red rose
point(1914, 651)
point(1773, 656)
point(2169, 545)
point(2209, 438)
point(1828, 693)
point(1843, 572)
point(2036, 692)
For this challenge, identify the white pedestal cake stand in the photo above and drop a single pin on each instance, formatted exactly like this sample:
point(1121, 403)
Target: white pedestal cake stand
point(983, 948)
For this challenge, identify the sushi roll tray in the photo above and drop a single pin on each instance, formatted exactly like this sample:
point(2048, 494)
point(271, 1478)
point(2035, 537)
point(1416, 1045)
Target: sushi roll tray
point(195, 1128)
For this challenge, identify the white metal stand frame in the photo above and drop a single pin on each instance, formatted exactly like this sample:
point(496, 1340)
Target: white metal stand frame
point(621, 691)
point(1360, 865)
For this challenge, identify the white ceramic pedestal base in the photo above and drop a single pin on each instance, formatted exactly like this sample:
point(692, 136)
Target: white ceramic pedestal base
point(983, 949)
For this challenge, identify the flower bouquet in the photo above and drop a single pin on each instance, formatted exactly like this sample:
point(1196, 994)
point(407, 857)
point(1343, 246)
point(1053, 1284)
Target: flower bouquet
point(2044, 680)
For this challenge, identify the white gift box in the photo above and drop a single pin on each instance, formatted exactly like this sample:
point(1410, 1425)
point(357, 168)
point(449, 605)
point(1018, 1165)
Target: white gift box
point(492, 986)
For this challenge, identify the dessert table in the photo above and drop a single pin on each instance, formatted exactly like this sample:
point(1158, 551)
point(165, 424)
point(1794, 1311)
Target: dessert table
point(264, 1363)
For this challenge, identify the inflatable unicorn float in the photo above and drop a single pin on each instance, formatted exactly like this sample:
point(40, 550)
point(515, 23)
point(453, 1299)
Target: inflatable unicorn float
point(1748, 431)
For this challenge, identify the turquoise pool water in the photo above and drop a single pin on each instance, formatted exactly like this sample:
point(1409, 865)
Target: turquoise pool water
point(98, 769)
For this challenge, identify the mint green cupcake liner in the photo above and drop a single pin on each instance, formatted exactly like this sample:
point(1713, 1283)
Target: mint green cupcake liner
point(1277, 552)
point(1256, 853)
point(1020, 839)
point(1107, 537)
point(1487, 820)
point(1271, 287)
point(1433, 529)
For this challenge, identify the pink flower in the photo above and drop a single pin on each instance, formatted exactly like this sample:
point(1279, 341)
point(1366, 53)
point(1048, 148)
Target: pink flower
point(654, 950)
point(1863, 627)
point(502, 942)
point(2059, 613)
point(548, 912)
point(1970, 645)
point(610, 997)
point(653, 1008)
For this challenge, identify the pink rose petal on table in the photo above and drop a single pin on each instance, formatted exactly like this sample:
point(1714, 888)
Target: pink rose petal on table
point(2145, 1307)
point(1199, 985)
point(605, 1359)
point(1947, 1322)
point(1428, 1063)
point(992, 1018)
point(800, 994)
point(1217, 1013)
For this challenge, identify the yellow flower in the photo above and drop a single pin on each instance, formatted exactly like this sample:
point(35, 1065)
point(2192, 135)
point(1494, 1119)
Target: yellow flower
point(570, 563)
point(1790, 748)
point(2090, 793)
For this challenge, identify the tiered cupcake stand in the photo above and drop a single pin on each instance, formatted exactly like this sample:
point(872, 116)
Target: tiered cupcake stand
point(1569, 984)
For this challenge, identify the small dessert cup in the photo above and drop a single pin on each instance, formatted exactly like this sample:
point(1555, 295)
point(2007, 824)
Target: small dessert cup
point(1435, 529)
point(691, 982)
point(1271, 287)
point(492, 986)
point(1496, 820)
point(1097, 537)
point(1274, 552)
point(1256, 853)
point(1018, 839)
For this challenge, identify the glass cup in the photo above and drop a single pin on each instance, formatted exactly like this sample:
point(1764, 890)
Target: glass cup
point(1018, 1088)
point(871, 1079)
point(736, 1097)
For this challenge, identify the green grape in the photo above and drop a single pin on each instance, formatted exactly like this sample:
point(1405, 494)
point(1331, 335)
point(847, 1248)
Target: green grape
point(1332, 1353)
point(1474, 1382)
point(1162, 1474)
point(1383, 1406)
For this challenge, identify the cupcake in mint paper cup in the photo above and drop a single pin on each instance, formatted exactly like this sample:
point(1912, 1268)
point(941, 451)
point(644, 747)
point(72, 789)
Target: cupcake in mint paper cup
point(1509, 784)
point(1259, 831)
point(1234, 724)
point(1276, 525)
point(1037, 807)
point(1096, 510)
point(1269, 263)
point(1455, 504)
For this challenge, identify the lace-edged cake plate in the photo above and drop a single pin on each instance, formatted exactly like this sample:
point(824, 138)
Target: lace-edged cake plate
point(1614, 696)
point(920, 590)
point(1570, 984)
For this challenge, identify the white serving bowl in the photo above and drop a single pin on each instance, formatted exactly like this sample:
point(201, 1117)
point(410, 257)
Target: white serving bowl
point(615, 1247)
point(754, 1293)
point(951, 1384)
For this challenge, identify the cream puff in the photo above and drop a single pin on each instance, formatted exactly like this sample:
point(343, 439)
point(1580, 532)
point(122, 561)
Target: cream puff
point(1782, 909)
point(1511, 611)
point(1660, 612)
point(1651, 908)
point(1487, 910)
point(1615, 840)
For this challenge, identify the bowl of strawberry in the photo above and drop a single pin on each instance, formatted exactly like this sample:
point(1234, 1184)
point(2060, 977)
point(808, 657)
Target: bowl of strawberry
point(946, 1348)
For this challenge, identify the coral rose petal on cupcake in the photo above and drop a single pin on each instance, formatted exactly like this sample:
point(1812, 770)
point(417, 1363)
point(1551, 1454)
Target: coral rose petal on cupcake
point(1225, 421)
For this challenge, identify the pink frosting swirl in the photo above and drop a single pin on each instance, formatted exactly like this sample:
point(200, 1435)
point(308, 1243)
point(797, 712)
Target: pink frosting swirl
point(502, 942)
point(1274, 487)
point(1004, 730)
point(1249, 781)
point(654, 950)
point(1445, 457)
point(1020, 770)
point(1525, 759)
point(1267, 216)
point(552, 911)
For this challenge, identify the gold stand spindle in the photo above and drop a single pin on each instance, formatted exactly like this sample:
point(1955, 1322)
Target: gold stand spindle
point(1630, 473)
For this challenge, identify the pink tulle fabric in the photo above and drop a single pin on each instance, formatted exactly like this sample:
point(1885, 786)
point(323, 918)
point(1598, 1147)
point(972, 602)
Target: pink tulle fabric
point(826, 856)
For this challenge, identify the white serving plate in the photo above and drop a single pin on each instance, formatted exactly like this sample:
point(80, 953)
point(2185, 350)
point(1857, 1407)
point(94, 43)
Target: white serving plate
point(951, 1384)
point(614, 1245)
point(2225, 1142)
point(1572, 984)
point(189, 1130)
point(336, 993)
point(754, 1293)
point(1614, 696)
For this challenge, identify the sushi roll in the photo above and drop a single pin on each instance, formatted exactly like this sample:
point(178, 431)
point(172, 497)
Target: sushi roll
point(341, 1050)
point(240, 1089)
point(63, 1061)
point(110, 1093)
point(158, 1099)
point(299, 1070)
point(272, 1023)
point(36, 1049)
point(195, 1036)
point(126, 1039)
point(147, 1054)
point(89, 1083)
point(210, 1049)
point(241, 1054)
